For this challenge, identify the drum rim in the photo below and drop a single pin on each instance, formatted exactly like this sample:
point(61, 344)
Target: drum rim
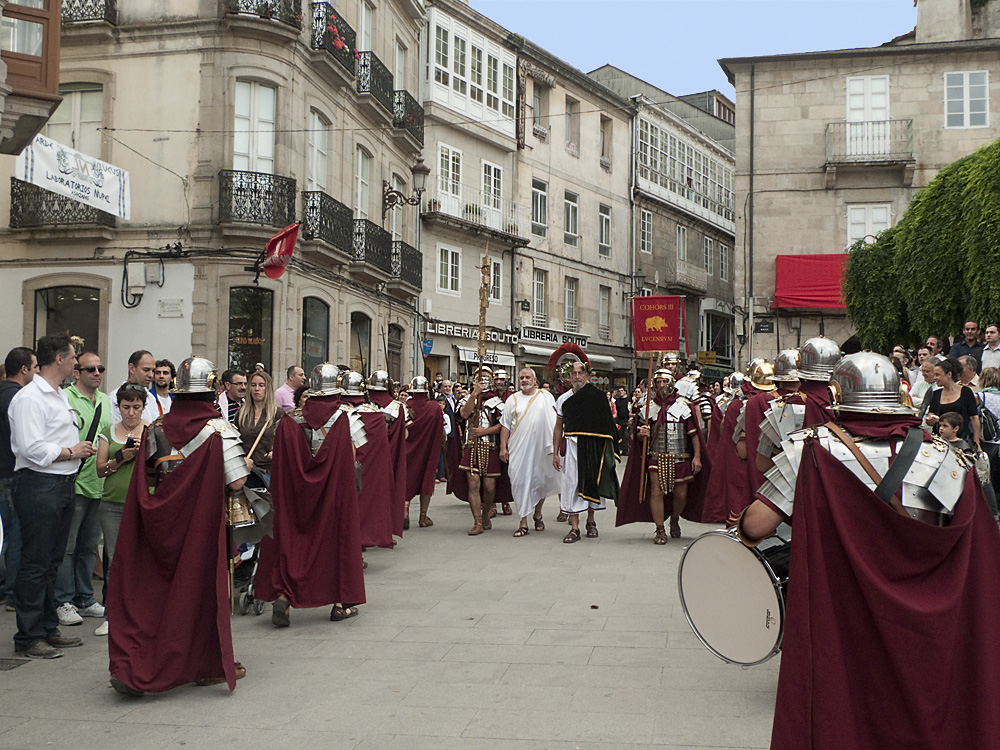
point(776, 649)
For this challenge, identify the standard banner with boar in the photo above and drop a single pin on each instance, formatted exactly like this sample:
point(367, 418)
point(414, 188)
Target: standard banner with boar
point(656, 323)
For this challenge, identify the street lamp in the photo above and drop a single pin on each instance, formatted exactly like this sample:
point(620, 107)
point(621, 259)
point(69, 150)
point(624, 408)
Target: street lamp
point(392, 198)
point(638, 282)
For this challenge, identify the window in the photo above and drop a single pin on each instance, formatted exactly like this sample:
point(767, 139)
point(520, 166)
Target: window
point(604, 314)
point(458, 81)
point(604, 238)
point(253, 128)
point(573, 125)
point(682, 243)
point(866, 222)
point(508, 90)
point(250, 327)
point(319, 134)
point(78, 119)
point(29, 40)
point(449, 170)
point(719, 335)
point(492, 185)
point(868, 116)
point(449, 270)
point(569, 305)
point(22, 36)
point(496, 281)
point(539, 95)
point(493, 82)
point(360, 345)
point(362, 176)
point(441, 55)
point(365, 28)
point(724, 262)
point(539, 308)
point(966, 99)
point(315, 333)
point(606, 138)
point(400, 76)
point(539, 208)
point(476, 74)
point(709, 256)
point(645, 231)
point(71, 310)
point(571, 217)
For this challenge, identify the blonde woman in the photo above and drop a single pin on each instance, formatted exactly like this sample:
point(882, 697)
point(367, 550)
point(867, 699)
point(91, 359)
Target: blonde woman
point(257, 420)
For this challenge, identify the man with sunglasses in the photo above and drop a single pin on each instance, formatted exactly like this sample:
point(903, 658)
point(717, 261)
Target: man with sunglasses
point(74, 587)
point(47, 450)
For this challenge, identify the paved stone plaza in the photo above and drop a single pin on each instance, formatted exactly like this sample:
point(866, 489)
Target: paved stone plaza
point(466, 643)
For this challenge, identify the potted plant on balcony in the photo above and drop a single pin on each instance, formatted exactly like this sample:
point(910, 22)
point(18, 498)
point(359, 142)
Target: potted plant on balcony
point(433, 205)
point(473, 212)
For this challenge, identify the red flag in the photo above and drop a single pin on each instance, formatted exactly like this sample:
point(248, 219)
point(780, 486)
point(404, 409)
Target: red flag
point(278, 251)
point(656, 323)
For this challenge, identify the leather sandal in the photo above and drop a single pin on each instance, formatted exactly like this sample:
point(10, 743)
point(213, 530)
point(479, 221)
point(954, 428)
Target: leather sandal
point(279, 614)
point(675, 528)
point(505, 507)
point(477, 529)
point(241, 672)
point(562, 517)
point(122, 689)
point(493, 512)
point(592, 530)
point(424, 521)
point(487, 523)
point(406, 524)
point(339, 613)
point(539, 524)
point(660, 535)
point(521, 531)
point(572, 536)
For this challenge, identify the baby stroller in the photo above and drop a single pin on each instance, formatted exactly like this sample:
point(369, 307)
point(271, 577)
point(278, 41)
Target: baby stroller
point(246, 536)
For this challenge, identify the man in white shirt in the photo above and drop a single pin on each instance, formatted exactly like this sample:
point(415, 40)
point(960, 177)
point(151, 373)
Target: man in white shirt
point(163, 380)
point(141, 367)
point(990, 356)
point(47, 454)
point(295, 378)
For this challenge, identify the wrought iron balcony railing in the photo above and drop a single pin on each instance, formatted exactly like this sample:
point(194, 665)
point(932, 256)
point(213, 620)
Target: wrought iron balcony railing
point(375, 79)
point(79, 11)
point(327, 219)
point(869, 141)
point(407, 264)
point(288, 12)
point(409, 115)
point(470, 204)
point(335, 35)
point(256, 198)
point(372, 244)
point(32, 206)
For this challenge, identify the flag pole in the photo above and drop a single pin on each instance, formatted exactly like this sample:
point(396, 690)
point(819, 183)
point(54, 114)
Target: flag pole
point(645, 440)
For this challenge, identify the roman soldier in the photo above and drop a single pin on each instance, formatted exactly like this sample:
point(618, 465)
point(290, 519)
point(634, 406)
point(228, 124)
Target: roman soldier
point(380, 391)
point(481, 409)
point(424, 437)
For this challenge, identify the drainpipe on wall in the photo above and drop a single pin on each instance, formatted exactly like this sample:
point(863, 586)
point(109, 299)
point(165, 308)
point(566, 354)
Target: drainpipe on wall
point(748, 250)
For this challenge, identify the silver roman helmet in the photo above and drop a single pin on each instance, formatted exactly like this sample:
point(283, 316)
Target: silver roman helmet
point(785, 365)
point(665, 374)
point(418, 384)
point(352, 383)
point(195, 375)
point(867, 383)
point(379, 381)
point(817, 358)
point(323, 381)
point(736, 381)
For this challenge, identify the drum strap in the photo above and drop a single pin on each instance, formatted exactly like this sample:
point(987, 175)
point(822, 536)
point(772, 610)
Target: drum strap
point(883, 483)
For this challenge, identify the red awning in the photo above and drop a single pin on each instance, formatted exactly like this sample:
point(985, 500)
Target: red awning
point(809, 281)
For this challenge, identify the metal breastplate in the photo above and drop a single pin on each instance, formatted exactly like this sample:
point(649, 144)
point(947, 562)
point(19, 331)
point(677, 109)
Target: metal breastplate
point(670, 437)
point(487, 419)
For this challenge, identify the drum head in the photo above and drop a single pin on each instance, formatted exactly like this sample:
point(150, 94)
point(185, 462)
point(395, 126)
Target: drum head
point(730, 599)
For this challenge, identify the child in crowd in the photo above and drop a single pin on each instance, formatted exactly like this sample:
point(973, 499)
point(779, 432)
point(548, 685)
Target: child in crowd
point(950, 425)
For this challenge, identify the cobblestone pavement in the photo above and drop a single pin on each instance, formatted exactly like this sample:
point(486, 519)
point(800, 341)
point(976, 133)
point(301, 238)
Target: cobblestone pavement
point(466, 643)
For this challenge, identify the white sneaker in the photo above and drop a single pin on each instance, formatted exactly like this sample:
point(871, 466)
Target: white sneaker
point(94, 610)
point(68, 615)
point(102, 629)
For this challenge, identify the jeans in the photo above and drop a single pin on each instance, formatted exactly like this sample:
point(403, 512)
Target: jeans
point(74, 582)
point(111, 521)
point(11, 554)
point(44, 504)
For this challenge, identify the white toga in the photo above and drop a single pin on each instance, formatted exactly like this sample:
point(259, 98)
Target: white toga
point(530, 420)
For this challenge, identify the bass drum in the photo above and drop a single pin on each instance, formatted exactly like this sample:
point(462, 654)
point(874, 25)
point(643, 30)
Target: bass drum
point(734, 596)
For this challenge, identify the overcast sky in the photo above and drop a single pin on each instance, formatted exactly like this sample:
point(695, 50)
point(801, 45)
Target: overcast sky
point(675, 44)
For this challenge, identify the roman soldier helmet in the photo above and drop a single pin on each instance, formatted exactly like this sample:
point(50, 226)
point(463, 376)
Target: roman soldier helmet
point(379, 381)
point(761, 373)
point(736, 381)
point(352, 383)
point(817, 358)
point(500, 375)
point(665, 374)
point(867, 383)
point(418, 384)
point(561, 361)
point(323, 381)
point(195, 375)
point(784, 366)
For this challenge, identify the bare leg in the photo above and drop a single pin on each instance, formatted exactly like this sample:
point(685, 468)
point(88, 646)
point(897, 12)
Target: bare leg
point(475, 502)
point(680, 501)
point(489, 493)
point(425, 504)
point(656, 508)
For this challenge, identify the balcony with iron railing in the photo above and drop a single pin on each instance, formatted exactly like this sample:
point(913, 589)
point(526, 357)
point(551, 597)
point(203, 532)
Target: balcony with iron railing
point(256, 198)
point(287, 12)
point(83, 11)
point(372, 245)
point(332, 33)
point(869, 142)
point(475, 207)
point(327, 220)
point(34, 207)
point(710, 202)
point(375, 80)
point(407, 264)
point(408, 115)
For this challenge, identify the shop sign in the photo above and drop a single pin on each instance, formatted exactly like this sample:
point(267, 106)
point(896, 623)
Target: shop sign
point(471, 333)
point(552, 337)
point(491, 359)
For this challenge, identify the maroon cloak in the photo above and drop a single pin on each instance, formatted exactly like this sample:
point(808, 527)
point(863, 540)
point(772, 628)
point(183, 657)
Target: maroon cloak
point(729, 483)
point(425, 435)
point(315, 556)
point(169, 597)
point(397, 457)
point(817, 395)
point(890, 638)
point(375, 503)
point(630, 510)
